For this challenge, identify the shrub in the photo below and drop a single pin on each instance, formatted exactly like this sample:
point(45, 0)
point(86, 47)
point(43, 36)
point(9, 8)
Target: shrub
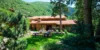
point(16, 45)
point(54, 46)
point(79, 42)
point(21, 45)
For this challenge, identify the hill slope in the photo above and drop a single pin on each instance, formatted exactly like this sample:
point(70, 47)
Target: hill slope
point(30, 9)
point(37, 8)
point(27, 9)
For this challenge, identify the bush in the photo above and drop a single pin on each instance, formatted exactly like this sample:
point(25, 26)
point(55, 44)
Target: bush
point(79, 42)
point(21, 45)
point(54, 46)
point(16, 45)
point(79, 28)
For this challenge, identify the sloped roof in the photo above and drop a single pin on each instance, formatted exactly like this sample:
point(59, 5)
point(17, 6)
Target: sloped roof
point(64, 22)
point(67, 22)
point(46, 18)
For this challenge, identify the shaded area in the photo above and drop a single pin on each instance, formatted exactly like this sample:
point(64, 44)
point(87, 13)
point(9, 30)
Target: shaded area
point(74, 42)
point(79, 43)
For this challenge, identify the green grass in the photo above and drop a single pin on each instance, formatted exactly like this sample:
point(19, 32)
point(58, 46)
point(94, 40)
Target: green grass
point(1, 38)
point(37, 43)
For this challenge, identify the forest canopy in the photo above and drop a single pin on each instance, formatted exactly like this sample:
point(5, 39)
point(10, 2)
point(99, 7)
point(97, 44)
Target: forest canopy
point(27, 9)
point(31, 8)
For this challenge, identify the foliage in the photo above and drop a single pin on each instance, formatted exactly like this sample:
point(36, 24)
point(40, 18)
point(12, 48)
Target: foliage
point(78, 42)
point(21, 45)
point(72, 42)
point(11, 45)
point(81, 41)
point(12, 27)
point(27, 9)
point(59, 7)
point(34, 10)
point(77, 27)
point(79, 14)
point(16, 26)
point(54, 46)
point(96, 18)
point(79, 10)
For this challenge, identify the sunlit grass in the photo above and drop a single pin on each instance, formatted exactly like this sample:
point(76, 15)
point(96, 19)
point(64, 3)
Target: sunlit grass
point(37, 43)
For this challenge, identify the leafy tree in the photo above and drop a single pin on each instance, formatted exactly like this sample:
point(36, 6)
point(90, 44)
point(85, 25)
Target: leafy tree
point(85, 15)
point(96, 18)
point(79, 10)
point(59, 9)
point(12, 27)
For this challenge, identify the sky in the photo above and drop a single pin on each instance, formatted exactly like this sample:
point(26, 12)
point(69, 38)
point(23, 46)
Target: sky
point(73, 5)
point(36, 0)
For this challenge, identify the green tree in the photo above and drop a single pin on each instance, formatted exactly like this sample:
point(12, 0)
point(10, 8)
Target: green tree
point(59, 8)
point(96, 18)
point(88, 17)
point(12, 27)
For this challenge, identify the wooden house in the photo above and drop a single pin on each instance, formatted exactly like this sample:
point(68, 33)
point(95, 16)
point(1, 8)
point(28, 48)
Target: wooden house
point(48, 22)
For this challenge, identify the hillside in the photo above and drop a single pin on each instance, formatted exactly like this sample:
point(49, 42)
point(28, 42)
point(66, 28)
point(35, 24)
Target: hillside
point(36, 9)
point(28, 9)
point(32, 8)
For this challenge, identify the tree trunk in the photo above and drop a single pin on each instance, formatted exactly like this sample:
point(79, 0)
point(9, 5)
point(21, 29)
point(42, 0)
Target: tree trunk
point(88, 29)
point(60, 21)
point(60, 13)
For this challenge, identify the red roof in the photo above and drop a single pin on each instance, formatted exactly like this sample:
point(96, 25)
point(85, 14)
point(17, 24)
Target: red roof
point(50, 20)
point(64, 22)
point(47, 18)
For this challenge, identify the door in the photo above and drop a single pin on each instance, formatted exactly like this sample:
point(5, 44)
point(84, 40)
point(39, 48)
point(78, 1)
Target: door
point(48, 27)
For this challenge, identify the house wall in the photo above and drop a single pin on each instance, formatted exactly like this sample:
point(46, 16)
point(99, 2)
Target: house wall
point(40, 26)
point(44, 26)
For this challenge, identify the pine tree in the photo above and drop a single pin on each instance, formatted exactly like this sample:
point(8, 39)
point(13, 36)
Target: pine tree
point(12, 27)
point(59, 9)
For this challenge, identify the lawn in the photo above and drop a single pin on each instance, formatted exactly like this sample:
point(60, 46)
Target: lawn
point(37, 43)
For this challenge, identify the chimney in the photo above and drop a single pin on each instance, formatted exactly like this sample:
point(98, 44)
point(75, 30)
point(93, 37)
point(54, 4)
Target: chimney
point(39, 20)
